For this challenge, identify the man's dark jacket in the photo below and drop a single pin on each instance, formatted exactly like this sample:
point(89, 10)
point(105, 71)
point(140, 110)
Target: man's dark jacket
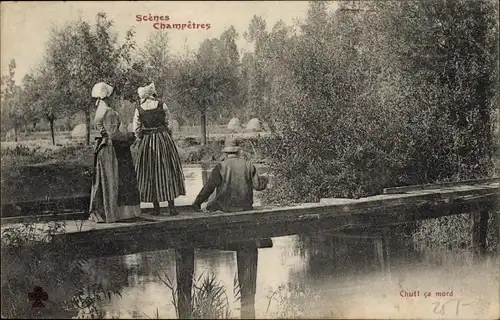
point(234, 180)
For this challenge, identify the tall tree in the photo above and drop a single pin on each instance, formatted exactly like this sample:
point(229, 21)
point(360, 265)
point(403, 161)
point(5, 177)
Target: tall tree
point(254, 66)
point(12, 110)
point(230, 60)
point(41, 100)
point(205, 81)
point(266, 70)
point(157, 62)
point(81, 56)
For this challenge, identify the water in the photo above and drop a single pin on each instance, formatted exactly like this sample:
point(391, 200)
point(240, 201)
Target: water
point(195, 177)
point(320, 276)
point(341, 280)
point(314, 276)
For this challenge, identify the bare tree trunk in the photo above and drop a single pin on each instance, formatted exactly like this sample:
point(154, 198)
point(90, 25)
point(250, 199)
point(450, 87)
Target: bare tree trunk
point(203, 128)
point(52, 131)
point(87, 124)
point(15, 133)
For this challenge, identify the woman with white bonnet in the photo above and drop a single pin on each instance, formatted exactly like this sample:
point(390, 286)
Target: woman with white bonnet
point(158, 166)
point(114, 195)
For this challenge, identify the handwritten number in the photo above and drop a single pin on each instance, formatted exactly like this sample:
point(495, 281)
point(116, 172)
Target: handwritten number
point(436, 305)
point(480, 306)
point(442, 309)
point(458, 304)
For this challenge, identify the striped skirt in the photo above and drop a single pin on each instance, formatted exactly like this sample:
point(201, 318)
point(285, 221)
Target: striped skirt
point(159, 169)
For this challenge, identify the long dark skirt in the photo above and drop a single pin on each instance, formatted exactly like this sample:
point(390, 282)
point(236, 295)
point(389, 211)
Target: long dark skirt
point(159, 169)
point(114, 195)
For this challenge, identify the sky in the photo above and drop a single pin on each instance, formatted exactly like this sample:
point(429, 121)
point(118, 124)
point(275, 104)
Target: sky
point(25, 26)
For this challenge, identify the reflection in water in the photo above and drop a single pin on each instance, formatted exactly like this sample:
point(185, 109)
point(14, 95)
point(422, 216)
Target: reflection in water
point(296, 278)
point(314, 276)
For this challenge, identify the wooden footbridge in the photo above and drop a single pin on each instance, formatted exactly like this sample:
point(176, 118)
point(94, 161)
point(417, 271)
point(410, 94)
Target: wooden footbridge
point(245, 232)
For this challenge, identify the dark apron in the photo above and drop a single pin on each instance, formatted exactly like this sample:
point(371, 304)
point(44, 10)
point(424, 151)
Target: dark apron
point(128, 194)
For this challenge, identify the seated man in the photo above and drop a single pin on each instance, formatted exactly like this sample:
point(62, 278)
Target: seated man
point(234, 180)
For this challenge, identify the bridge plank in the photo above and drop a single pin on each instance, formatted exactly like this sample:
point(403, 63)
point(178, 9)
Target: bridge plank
point(146, 237)
point(293, 212)
point(442, 185)
point(205, 230)
point(187, 218)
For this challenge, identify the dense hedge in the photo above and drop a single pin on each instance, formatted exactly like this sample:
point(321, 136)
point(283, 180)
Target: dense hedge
point(402, 93)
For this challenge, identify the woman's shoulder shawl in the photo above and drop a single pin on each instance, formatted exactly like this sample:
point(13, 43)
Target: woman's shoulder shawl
point(150, 105)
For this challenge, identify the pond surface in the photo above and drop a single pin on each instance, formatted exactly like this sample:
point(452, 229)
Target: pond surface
point(314, 276)
point(320, 276)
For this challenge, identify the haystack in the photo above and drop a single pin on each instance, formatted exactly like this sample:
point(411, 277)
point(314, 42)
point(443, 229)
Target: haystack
point(254, 125)
point(79, 131)
point(174, 125)
point(234, 124)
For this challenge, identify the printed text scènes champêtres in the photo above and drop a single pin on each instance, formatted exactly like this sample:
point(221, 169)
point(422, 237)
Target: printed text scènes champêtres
point(179, 26)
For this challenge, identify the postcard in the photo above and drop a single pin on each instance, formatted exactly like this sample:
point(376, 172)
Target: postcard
point(250, 159)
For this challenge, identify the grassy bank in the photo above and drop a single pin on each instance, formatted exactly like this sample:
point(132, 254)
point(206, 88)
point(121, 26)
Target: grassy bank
point(191, 151)
point(70, 290)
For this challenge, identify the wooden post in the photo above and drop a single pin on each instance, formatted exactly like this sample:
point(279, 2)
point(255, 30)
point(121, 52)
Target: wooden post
point(87, 125)
point(479, 231)
point(382, 250)
point(235, 246)
point(496, 227)
point(247, 257)
point(379, 251)
point(205, 174)
point(387, 249)
point(184, 271)
point(86, 206)
point(203, 128)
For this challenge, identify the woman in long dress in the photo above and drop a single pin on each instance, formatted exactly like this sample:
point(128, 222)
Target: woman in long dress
point(114, 195)
point(159, 170)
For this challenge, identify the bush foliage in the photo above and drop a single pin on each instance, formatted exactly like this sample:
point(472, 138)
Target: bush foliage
point(384, 94)
point(70, 289)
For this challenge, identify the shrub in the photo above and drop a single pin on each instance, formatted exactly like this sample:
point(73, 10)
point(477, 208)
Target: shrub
point(451, 232)
point(367, 104)
point(209, 297)
point(26, 265)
